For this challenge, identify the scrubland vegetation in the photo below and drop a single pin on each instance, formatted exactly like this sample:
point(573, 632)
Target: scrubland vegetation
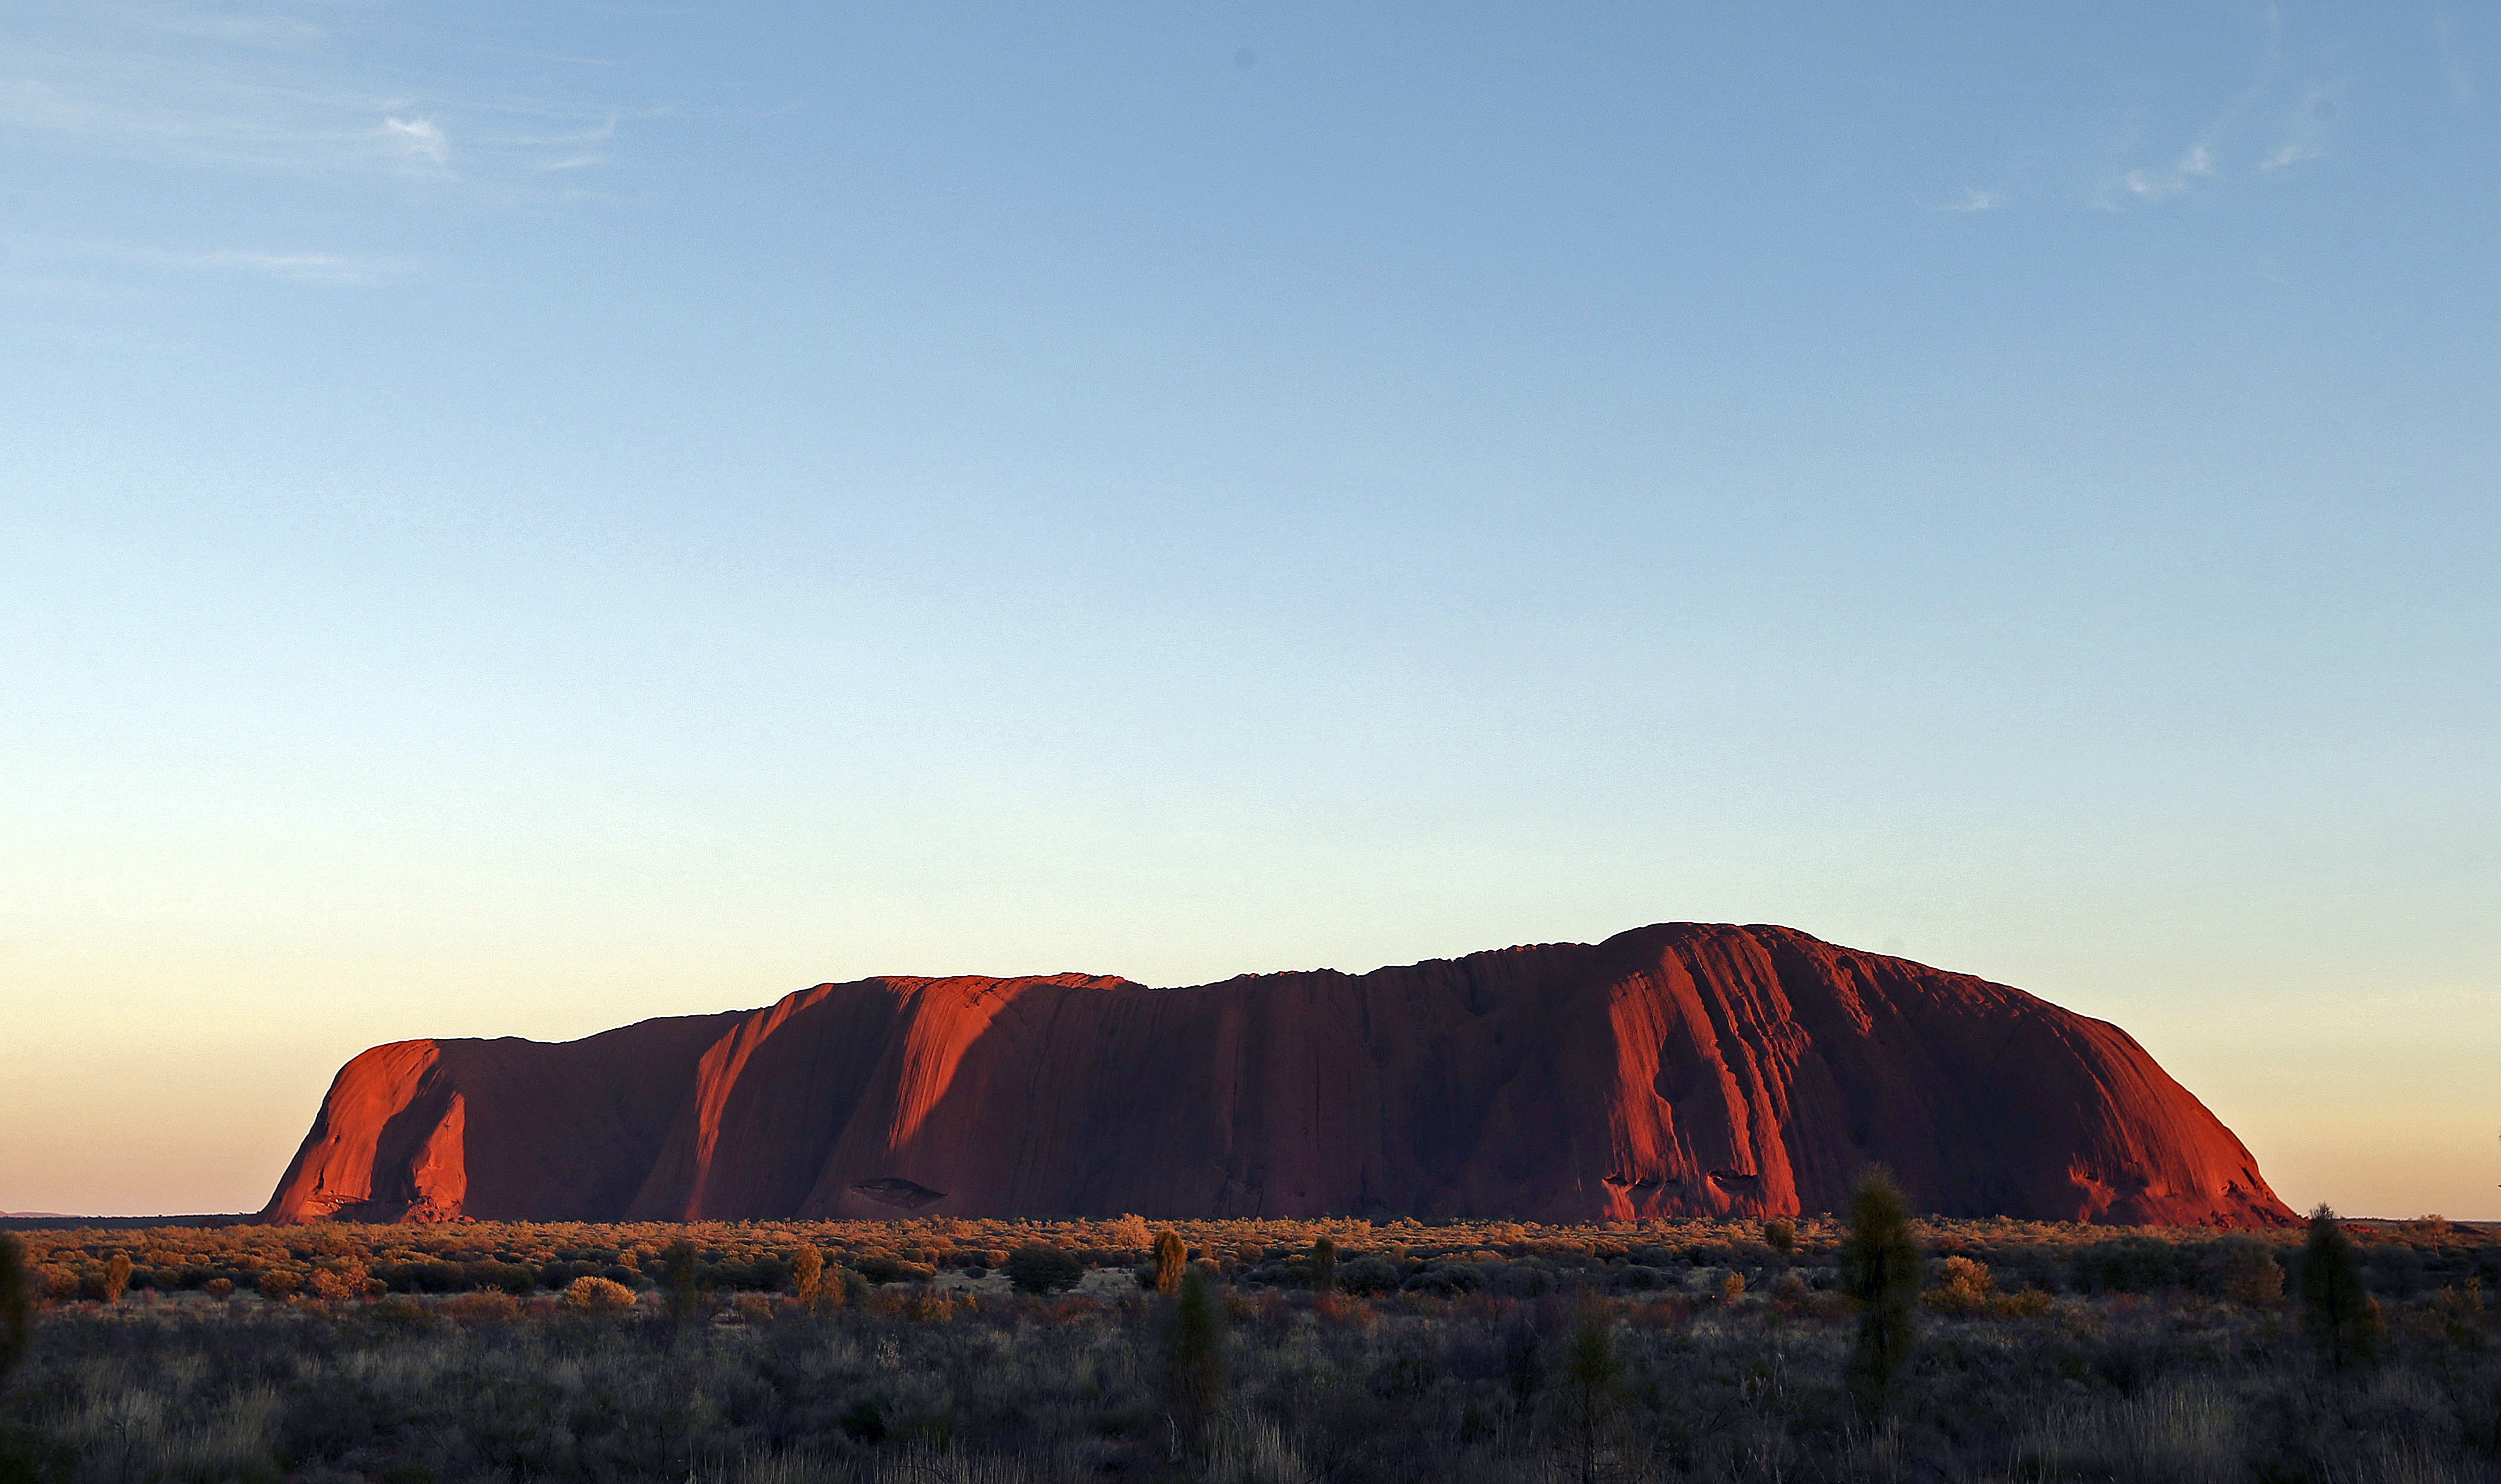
point(1256, 1351)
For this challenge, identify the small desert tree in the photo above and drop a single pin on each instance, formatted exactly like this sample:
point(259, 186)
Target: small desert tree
point(1324, 1266)
point(807, 1276)
point(2340, 1318)
point(1172, 1255)
point(15, 1302)
point(1780, 1234)
point(1193, 1381)
point(1584, 1394)
point(1879, 1267)
point(678, 1281)
point(25, 1452)
point(117, 1277)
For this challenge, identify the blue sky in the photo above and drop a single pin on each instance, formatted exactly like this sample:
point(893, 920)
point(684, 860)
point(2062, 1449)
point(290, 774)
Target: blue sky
point(523, 517)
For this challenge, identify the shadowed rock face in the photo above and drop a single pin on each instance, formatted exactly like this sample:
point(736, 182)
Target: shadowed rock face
point(1673, 1071)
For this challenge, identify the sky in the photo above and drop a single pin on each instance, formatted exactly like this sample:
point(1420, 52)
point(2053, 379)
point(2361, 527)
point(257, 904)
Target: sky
point(517, 519)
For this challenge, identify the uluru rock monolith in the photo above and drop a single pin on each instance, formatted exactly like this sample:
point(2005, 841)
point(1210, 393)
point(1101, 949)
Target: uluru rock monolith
point(1681, 1069)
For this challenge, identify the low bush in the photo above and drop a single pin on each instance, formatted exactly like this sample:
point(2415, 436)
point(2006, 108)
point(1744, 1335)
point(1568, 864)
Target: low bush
point(597, 1296)
point(1044, 1270)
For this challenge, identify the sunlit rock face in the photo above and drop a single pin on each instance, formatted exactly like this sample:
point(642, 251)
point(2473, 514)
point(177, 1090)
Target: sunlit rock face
point(1680, 1069)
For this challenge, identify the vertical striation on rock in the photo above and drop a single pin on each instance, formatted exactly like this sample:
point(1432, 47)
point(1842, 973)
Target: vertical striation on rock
point(1677, 1070)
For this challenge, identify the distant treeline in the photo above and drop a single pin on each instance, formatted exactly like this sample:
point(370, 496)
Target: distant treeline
point(115, 1223)
point(2398, 1261)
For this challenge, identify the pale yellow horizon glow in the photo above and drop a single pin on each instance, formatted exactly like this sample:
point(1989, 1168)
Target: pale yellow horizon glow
point(190, 1091)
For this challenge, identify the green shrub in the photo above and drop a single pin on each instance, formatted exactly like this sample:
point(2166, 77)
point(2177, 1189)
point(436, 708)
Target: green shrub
point(1044, 1270)
point(877, 1268)
point(2460, 1313)
point(1367, 1276)
point(2342, 1321)
point(1585, 1400)
point(1880, 1267)
point(2134, 1264)
point(2245, 1271)
point(863, 1423)
point(16, 1301)
point(1444, 1281)
point(1193, 1381)
point(1528, 1278)
point(679, 1282)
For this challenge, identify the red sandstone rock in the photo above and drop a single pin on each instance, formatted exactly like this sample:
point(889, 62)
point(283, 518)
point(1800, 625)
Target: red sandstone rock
point(1677, 1070)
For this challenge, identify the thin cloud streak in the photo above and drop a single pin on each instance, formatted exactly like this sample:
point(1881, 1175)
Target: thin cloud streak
point(293, 266)
point(599, 133)
point(2299, 135)
point(270, 94)
point(2161, 185)
point(2453, 62)
point(1978, 201)
point(418, 139)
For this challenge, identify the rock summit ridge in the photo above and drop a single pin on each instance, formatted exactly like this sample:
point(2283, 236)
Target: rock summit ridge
point(1677, 1070)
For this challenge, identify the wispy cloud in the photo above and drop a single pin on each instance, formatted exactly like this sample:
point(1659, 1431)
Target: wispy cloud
point(263, 30)
point(574, 150)
point(1978, 201)
point(288, 89)
point(2164, 183)
point(288, 266)
point(353, 122)
point(345, 270)
point(2259, 128)
point(2453, 62)
point(2302, 132)
point(34, 103)
point(417, 139)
